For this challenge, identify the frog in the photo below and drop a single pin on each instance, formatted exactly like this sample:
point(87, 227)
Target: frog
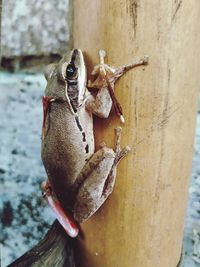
point(80, 179)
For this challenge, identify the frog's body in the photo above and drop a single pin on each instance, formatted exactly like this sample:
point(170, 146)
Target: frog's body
point(80, 178)
point(57, 152)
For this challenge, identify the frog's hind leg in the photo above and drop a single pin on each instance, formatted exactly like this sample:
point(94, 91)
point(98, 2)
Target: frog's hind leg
point(90, 183)
point(120, 154)
point(97, 180)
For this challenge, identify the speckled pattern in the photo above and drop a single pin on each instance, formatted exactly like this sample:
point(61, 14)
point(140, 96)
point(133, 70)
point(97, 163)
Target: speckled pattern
point(35, 27)
point(25, 216)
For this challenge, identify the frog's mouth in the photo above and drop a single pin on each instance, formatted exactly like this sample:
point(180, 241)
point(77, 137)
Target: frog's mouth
point(46, 100)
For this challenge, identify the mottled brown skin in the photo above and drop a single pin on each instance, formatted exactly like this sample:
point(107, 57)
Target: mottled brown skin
point(63, 148)
point(80, 178)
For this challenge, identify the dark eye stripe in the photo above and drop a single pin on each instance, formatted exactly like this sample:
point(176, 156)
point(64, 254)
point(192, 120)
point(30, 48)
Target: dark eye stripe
point(72, 91)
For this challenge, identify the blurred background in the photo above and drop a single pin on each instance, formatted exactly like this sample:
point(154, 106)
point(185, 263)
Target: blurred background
point(35, 33)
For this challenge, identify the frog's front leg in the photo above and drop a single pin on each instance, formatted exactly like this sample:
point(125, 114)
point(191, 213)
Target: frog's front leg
point(106, 77)
point(97, 180)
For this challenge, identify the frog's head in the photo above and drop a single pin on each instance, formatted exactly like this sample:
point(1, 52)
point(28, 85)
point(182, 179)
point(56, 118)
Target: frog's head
point(67, 79)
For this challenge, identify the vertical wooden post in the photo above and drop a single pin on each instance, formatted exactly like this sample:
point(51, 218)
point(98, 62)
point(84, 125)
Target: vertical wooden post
point(141, 224)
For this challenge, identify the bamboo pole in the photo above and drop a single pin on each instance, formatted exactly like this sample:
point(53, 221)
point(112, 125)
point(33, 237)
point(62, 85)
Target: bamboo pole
point(141, 224)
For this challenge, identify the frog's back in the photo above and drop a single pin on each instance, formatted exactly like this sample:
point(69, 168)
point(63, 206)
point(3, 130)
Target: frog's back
point(67, 145)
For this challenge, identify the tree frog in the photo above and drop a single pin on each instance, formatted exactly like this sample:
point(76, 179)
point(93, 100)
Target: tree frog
point(79, 179)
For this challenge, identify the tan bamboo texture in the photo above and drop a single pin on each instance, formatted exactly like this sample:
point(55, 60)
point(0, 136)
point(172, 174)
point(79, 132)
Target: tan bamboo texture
point(141, 224)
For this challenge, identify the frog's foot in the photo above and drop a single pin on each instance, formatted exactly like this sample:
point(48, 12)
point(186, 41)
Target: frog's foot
point(120, 153)
point(124, 68)
point(101, 72)
point(102, 68)
point(105, 73)
point(64, 219)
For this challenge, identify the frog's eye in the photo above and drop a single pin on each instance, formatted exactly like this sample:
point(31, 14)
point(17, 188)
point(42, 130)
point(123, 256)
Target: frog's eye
point(71, 71)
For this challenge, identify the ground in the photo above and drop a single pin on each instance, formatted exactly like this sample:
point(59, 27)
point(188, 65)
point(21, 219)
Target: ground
point(25, 216)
